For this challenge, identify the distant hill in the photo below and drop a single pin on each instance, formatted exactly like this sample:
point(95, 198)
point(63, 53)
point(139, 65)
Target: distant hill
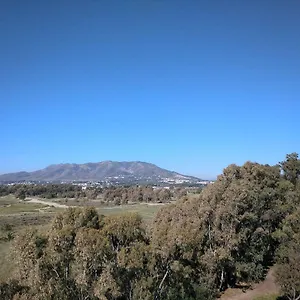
point(119, 172)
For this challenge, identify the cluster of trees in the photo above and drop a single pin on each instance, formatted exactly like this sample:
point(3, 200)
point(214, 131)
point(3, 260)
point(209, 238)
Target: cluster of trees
point(114, 194)
point(238, 227)
point(123, 195)
point(138, 193)
point(42, 190)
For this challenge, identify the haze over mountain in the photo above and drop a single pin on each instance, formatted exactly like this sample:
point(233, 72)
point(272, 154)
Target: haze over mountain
point(140, 171)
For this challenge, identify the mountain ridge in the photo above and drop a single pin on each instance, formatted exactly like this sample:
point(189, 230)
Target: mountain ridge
point(98, 171)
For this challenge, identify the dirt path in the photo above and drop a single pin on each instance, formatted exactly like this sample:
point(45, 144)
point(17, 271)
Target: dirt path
point(265, 287)
point(49, 203)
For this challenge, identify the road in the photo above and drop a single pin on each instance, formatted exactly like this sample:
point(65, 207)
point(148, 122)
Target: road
point(49, 203)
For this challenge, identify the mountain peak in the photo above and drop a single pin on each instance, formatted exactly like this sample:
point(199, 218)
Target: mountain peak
point(101, 171)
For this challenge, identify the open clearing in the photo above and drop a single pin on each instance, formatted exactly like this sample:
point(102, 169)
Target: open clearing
point(147, 211)
point(10, 205)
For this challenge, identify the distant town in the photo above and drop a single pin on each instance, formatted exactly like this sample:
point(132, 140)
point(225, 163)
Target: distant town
point(120, 181)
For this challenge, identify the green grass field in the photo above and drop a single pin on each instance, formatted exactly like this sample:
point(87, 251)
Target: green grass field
point(10, 205)
point(10, 199)
point(20, 208)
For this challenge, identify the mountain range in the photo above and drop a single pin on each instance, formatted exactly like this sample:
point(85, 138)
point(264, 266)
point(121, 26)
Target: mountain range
point(119, 172)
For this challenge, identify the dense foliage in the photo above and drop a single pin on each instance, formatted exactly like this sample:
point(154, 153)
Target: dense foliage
point(238, 227)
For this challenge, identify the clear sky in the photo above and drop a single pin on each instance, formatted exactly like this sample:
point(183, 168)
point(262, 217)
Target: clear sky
point(189, 85)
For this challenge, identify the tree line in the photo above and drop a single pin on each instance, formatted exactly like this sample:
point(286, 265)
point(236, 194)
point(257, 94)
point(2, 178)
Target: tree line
point(245, 222)
point(115, 194)
point(48, 191)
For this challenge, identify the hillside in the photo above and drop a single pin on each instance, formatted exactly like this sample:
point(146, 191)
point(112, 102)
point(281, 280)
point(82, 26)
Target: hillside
point(119, 172)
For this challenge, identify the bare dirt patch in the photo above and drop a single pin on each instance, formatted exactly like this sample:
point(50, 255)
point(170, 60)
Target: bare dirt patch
point(266, 287)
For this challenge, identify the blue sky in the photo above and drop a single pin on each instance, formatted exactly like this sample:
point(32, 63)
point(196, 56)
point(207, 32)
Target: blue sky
point(190, 85)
